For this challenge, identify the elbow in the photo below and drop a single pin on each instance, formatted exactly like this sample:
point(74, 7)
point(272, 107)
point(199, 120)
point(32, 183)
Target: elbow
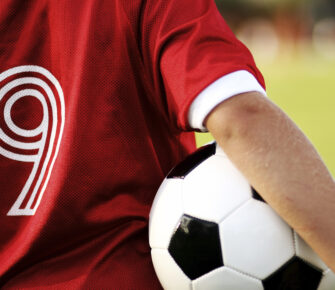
point(241, 117)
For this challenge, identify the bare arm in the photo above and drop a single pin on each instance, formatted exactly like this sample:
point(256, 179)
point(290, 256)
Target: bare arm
point(281, 164)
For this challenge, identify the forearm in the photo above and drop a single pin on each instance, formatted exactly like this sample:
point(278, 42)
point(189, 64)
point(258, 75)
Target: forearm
point(282, 166)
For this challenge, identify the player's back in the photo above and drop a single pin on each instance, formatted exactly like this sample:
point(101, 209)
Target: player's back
point(95, 99)
point(85, 141)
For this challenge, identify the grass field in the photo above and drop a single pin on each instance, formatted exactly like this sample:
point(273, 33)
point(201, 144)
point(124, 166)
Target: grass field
point(304, 87)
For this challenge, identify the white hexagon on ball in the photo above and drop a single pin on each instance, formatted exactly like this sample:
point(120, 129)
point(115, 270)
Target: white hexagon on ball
point(167, 210)
point(225, 278)
point(306, 253)
point(224, 189)
point(327, 281)
point(255, 240)
point(170, 275)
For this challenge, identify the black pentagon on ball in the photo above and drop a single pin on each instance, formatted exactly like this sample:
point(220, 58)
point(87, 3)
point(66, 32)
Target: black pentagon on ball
point(256, 195)
point(195, 246)
point(192, 161)
point(296, 274)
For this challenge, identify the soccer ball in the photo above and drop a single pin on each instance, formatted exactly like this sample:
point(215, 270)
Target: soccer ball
point(209, 229)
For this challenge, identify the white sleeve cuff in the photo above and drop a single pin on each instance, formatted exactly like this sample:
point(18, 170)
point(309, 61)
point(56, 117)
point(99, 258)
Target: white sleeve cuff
point(222, 89)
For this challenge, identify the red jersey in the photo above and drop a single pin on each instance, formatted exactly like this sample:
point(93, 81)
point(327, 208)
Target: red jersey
point(94, 97)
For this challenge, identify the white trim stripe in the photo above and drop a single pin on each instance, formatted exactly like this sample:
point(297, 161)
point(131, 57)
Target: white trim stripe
point(229, 85)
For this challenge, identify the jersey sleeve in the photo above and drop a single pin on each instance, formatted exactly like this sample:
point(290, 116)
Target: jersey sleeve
point(187, 46)
point(225, 87)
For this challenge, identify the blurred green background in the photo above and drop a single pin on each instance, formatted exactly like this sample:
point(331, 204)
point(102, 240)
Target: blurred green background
point(293, 43)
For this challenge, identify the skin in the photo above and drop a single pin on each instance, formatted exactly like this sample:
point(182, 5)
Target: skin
point(281, 164)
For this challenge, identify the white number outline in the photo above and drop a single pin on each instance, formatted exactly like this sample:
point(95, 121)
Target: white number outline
point(43, 128)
